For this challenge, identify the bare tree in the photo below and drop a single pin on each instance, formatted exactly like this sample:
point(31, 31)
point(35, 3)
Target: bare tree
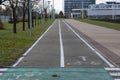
point(1, 24)
point(61, 15)
point(24, 7)
point(14, 5)
point(34, 2)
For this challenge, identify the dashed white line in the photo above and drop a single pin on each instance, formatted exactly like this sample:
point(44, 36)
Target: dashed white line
point(3, 70)
point(62, 62)
point(115, 73)
point(105, 60)
point(112, 69)
point(116, 79)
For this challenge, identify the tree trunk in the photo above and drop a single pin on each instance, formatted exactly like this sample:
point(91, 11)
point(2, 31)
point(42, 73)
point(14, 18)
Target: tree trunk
point(23, 19)
point(14, 20)
point(45, 14)
point(28, 18)
point(32, 19)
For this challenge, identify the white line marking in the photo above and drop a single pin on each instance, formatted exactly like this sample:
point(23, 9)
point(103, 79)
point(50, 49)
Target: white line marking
point(1, 74)
point(3, 70)
point(112, 69)
point(105, 60)
point(115, 74)
point(116, 79)
point(20, 59)
point(84, 58)
point(62, 63)
point(26, 53)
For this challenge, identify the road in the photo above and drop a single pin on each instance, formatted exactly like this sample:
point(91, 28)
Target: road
point(62, 46)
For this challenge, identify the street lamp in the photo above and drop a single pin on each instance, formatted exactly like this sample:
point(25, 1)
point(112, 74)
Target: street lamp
point(30, 11)
point(49, 8)
point(82, 9)
point(113, 16)
point(43, 9)
point(53, 10)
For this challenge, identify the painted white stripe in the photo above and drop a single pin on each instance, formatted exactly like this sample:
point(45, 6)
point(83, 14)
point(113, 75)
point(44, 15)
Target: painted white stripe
point(114, 74)
point(3, 70)
point(1, 74)
point(62, 63)
point(105, 60)
point(26, 53)
point(116, 79)
point(112, 69)
point(19, 60)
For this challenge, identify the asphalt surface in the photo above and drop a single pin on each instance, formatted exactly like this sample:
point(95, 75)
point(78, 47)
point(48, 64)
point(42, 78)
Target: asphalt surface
point(62, 46)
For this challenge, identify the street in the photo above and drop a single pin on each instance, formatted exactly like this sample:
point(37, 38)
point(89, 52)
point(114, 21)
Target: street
point(61, 46)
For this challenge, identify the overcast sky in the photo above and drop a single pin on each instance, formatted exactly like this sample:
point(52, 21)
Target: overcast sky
point(59, 3)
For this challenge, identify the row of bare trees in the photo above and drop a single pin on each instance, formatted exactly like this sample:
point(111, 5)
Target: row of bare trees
point(14, 5)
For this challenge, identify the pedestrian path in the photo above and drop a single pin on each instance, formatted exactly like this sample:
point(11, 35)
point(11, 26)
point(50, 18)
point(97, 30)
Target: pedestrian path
point(104, 39)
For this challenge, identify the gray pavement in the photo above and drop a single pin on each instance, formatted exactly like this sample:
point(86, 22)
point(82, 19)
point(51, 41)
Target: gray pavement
point(63, 46)
point(104, 39)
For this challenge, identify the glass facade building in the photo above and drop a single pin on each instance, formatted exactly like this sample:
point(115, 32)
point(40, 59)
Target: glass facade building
point(76, 4)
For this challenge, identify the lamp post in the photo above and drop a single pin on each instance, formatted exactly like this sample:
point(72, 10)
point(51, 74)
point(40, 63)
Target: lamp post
point(53, 10)
point(30, 11)
point(43, 10)
point(82, 9)
point(113, 10)
point(49, 8)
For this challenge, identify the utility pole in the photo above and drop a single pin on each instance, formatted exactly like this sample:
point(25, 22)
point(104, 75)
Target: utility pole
point(82, 10)
point(43, 9)
point(30, 11)
point(49, 8)
point(53, 10)
point(113, 16)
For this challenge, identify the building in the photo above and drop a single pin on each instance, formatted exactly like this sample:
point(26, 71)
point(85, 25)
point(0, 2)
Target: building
point(72, 6)
point(109, 10)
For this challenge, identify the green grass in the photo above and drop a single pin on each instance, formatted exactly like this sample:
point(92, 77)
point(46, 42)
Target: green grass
point(108, 24)
point(12, 46)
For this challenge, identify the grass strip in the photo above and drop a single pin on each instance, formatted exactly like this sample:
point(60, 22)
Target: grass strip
point(12, 46)
point(103, 23)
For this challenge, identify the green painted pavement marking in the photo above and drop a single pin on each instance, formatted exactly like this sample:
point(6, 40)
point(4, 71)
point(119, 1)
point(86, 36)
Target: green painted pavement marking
point(56, 74)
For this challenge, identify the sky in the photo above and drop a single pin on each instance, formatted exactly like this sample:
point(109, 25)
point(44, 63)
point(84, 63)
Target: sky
point(58, 4)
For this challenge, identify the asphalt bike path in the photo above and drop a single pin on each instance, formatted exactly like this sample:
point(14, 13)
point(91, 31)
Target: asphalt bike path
point(61, 47)
point(61, 54)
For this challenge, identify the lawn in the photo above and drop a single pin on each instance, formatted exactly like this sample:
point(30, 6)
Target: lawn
point(12, 46)
point(109, 24)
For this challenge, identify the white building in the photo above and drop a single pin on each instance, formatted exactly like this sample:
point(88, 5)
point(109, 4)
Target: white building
point(110, 10)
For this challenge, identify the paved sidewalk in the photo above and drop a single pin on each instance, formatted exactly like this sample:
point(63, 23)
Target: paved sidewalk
point(108, 39)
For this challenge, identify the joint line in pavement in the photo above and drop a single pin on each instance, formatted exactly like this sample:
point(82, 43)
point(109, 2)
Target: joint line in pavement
point(62, 63)
point(104, 59)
